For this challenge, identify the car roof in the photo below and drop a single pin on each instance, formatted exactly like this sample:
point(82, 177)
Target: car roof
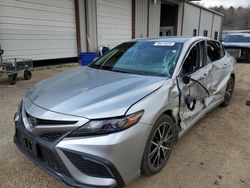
point(242, 34)
point(169, 39)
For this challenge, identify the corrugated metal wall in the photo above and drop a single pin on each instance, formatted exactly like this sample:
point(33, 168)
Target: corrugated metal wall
point(41, 29)
point(206, 20)
point(91, 25)
point(216, 25)
point(83, 24)
point(114, 22)
point(190, 19)
point(200, 19)
point(179, 24)
point(141, 18)
point(154, 18)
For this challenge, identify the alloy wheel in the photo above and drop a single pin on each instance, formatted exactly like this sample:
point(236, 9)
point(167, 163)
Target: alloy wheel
point(160, 146)
point(229, 91)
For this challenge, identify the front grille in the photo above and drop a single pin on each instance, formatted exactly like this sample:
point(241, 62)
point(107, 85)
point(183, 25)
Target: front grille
point(51, 137)
point(87, 166)
point(38, 121)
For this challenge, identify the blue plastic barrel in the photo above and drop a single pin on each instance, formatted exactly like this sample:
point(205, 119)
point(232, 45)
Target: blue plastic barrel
point(87, 57)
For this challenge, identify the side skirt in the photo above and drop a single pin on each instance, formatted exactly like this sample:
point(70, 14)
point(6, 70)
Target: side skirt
point(199, 117)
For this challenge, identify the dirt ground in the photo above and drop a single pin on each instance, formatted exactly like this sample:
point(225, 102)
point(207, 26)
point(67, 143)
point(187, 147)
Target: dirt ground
point(213, 154)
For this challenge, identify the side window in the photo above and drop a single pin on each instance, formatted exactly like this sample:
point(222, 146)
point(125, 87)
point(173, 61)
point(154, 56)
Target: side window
point(194, 60)
point(205, 32)
point(216, 35)
point(195, 32)
point(213, 50)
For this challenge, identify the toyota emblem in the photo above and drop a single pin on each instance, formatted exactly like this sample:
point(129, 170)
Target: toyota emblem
point(32, 121)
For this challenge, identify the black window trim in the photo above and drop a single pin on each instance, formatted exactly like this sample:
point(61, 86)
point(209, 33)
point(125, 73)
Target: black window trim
point(187, 53)
point(221, 48)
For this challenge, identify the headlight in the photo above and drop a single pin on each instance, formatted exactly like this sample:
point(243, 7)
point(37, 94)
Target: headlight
point(105, 126)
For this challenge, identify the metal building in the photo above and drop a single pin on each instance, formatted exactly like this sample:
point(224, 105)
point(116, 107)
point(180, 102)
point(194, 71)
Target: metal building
point(54, 29)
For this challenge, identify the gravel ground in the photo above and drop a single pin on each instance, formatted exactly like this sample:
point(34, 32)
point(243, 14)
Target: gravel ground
point(214, 153)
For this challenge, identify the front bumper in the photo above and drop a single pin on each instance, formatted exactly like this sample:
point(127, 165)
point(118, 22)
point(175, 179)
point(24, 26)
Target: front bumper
point(100, 161)
point(49, 160)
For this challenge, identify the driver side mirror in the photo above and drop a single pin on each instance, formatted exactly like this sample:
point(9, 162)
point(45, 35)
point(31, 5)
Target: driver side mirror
point(186, 79)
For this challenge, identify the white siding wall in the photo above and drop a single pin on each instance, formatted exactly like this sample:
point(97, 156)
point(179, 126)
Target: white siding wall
point(206, 22)
point(190, 19)
point(41, 29)
point(114, 22)
point(154, 18)
point(216, 25)
point(91, 32)
point(141, 18)
point(179, 24)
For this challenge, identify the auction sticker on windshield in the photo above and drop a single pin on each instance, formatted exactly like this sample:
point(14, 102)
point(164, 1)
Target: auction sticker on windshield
point(164, 43)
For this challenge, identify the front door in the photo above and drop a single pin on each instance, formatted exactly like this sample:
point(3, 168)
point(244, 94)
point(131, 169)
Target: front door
point(195, 93)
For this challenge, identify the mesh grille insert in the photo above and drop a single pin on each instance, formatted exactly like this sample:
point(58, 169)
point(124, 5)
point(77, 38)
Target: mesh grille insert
point(49, 158)
point(88, 167)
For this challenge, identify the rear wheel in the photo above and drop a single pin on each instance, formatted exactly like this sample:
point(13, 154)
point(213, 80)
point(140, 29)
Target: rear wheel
point(159, 145)
point(12, 79)
point(229, 92)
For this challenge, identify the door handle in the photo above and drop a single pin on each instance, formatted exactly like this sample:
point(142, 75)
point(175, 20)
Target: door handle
point(225, 65)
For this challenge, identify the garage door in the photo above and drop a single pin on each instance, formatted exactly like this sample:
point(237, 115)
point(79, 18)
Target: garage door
point(41, 29)
point(114, 22)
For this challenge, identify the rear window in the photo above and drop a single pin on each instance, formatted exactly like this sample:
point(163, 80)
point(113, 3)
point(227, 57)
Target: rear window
point(237, 38)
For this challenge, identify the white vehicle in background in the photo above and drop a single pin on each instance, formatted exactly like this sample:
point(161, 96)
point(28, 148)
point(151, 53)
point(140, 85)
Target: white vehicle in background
point(238, 45)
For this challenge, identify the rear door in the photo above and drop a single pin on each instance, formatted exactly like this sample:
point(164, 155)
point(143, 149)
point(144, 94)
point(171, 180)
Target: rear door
point(220, 68)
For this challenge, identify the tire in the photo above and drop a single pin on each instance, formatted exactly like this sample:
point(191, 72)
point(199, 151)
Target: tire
point(12, 79)
point(27, 75)
point(229, 92)
point(157, 152)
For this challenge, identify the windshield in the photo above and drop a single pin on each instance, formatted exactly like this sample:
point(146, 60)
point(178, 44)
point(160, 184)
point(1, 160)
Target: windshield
point(146, 58)
point(237, 38)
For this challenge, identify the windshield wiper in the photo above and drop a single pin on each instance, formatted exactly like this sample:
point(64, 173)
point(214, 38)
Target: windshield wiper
point(95, 66)
point(129, 72)
point(120, 71)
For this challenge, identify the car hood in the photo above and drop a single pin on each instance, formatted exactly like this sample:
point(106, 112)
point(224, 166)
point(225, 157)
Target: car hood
point(92, 93)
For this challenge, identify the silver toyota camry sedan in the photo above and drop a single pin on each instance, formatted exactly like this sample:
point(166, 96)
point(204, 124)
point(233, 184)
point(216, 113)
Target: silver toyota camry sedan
point(105, 124)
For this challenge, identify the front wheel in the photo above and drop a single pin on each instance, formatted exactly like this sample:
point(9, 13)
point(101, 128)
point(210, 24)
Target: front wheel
point(159, 145)
point(229, 92)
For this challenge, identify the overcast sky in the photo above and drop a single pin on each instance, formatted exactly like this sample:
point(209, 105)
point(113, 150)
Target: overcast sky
point(225, 3)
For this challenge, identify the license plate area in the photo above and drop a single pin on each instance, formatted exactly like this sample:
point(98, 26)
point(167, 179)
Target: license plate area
point(30, 145)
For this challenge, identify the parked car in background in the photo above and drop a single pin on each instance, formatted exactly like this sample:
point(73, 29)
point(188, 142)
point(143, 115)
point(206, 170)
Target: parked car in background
point(105, 124)
point(238, 45)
